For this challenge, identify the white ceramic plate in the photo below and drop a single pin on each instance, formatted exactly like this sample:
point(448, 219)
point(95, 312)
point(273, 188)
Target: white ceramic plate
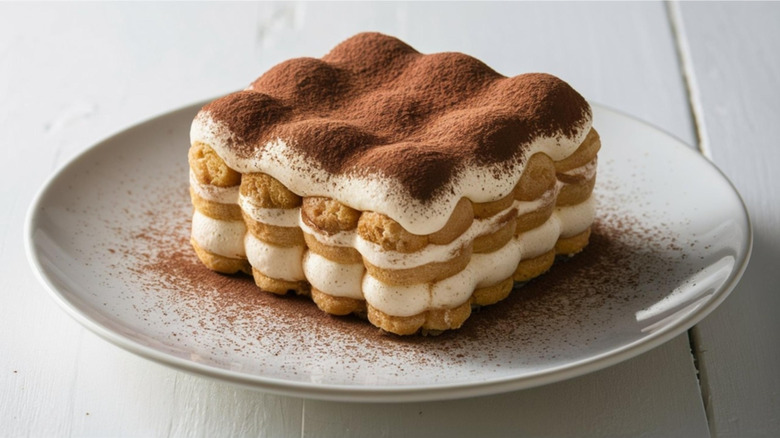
point(108, 235)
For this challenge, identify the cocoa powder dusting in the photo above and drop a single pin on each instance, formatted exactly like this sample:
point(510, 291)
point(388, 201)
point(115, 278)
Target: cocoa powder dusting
point(227, 321)
point(374, 104)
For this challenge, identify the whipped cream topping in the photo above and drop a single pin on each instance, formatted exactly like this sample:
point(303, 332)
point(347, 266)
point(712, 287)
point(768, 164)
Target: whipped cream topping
point(375, 192)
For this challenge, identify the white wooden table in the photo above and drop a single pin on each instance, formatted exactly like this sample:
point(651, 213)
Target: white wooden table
point(72, 74)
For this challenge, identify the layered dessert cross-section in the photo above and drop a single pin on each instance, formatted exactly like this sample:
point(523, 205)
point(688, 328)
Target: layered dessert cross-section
point(380, 181)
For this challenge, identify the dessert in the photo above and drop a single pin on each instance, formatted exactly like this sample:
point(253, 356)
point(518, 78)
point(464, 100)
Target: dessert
point(383, 182)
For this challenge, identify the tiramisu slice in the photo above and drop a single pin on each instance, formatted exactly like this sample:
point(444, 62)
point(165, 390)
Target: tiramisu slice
point(384, 182)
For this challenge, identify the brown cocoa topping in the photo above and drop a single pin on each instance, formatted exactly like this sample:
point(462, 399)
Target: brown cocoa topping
point(374, 104)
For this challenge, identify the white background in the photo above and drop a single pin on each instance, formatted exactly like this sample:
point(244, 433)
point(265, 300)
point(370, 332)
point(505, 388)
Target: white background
point(72, 74)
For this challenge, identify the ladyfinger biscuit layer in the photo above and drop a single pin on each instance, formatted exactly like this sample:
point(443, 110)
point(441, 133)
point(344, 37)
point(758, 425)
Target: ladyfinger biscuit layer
point(367, 262)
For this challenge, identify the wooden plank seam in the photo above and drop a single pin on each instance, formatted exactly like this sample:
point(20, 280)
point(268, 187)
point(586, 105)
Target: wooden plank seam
point(702, 144)
point(689, 77)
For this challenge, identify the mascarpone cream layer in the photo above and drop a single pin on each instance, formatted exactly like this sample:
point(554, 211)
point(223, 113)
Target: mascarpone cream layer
point(222, 195)
point(225, 238)
point(336, 279)
point(482, 271)
point(231, 239)
point(352, 280)
point(383, 194)
point(280, 217)
point(585, 172)
point(284, 263)
point(573, 220)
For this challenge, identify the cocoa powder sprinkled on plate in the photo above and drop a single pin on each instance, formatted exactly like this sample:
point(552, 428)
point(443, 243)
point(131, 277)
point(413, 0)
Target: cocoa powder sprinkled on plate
point(229, 316)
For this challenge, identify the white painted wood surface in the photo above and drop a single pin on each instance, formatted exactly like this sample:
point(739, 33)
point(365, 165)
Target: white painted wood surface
point(735, 58)
point(71, 74)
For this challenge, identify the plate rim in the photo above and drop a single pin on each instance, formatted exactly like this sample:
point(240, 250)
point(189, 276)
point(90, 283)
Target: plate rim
point(382, 393)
